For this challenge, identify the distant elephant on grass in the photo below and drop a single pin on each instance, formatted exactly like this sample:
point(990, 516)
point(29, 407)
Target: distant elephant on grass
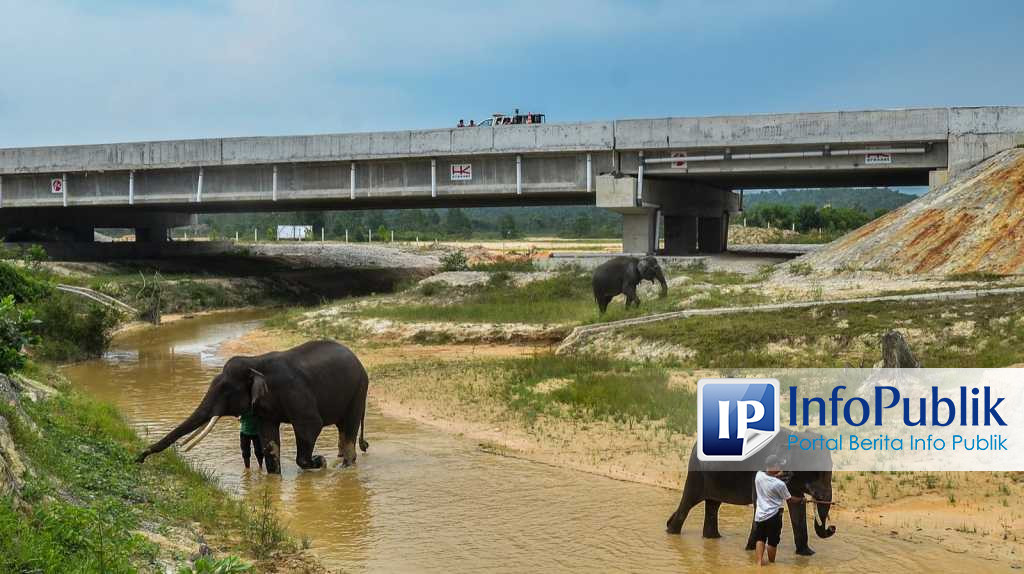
point(622, 275)
point(316, 384)
point(716, 482)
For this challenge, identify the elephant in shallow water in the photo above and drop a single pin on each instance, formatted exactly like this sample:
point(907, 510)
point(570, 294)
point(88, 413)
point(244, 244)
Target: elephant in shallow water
point(712, 484)
point(316, 384)
point(622, 275)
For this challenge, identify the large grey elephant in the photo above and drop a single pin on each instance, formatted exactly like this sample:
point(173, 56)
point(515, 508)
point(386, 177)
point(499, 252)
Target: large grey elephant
point(316, 384)
point(622, 275)
point(709, 483)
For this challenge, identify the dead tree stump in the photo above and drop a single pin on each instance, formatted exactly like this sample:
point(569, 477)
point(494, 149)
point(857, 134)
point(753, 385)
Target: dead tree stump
point(896, 353)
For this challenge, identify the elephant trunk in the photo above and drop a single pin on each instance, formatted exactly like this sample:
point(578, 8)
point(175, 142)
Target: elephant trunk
point(196, 420)
point(664, 284)
point(821, 509)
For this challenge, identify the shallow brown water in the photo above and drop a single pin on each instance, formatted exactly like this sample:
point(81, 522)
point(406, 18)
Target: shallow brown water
point(422, 500)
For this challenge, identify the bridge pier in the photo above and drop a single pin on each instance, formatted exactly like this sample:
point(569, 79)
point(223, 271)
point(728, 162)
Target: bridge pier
point(696, 215)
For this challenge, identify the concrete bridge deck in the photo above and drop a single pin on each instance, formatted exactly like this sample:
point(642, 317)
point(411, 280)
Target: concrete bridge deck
point(691, 166)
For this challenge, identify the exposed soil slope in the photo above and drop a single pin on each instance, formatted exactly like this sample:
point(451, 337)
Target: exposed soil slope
point(975, 223)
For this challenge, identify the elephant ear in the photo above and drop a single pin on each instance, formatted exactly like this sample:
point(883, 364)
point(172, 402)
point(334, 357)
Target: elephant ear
point(647, 266)
point(259, 386)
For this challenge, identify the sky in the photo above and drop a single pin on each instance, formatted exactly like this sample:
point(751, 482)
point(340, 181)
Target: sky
point(108, 71)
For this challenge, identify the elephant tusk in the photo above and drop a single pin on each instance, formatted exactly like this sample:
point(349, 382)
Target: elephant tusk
point(189, 438)
point(209, 427)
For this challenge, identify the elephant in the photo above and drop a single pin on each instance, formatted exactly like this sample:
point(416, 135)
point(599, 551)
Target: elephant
point(712, 484)
point(622, 275)
point(313, 385)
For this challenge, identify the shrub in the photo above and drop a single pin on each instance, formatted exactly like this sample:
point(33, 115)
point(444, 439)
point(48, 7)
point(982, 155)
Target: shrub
point(21, 284)
point(71, 328)
point(455, 261)
point(15, 334)
point(209, 565)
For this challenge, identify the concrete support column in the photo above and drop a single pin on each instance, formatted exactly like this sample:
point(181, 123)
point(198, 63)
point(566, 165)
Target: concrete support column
point(639, 231)
point(937, 178)
point(712, 233)
point(680, 234)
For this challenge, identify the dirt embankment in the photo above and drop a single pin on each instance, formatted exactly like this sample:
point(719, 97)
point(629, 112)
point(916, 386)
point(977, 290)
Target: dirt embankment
point(973, 224)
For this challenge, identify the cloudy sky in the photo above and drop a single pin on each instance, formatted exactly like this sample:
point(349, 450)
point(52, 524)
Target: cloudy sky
point(99, 71)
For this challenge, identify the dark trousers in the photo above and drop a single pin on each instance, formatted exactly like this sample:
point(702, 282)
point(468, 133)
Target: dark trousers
point(245, 440)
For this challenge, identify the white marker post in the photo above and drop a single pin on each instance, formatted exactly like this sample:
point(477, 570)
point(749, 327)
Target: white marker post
point(352, 181)
point(273, 186)
point(346, 236)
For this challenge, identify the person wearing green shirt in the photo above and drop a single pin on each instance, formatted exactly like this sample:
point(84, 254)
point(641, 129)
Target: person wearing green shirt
point(250, 435)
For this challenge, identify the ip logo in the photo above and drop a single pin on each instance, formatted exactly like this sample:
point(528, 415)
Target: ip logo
point(736, 417)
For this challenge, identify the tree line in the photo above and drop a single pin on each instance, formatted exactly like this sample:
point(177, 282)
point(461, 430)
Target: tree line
point(425, 224)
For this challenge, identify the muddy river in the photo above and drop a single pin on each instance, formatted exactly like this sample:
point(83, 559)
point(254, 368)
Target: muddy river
point(422, 500)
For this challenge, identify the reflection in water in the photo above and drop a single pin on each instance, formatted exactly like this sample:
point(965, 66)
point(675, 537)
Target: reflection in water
point(422, 500)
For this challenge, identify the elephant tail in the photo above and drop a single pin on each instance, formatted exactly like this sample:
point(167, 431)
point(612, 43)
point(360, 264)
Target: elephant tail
point(363, 445)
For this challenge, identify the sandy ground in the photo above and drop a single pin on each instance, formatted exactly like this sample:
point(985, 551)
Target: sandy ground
point(313, 254)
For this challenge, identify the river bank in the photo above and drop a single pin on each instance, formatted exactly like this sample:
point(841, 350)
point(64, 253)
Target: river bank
point(72, 494)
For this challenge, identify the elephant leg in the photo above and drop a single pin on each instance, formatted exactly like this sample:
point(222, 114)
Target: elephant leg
point(751, 543)
point(798, 518)
point(305, 440)
point(693, 494)
point(602, 302)
point(346, 446)
point(270, 435)
point(711, 518)
point(631, 298)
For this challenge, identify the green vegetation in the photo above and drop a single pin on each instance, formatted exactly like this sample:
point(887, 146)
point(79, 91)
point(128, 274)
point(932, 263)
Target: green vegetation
point(86, 502)
point(567, 298)
point(208, 565)
point(988, 329)
point(60, 326)
point(808, 218)
point(864, 199)
point(595, 387)
point(454, 261)
point(15, 334)
point(425, 224)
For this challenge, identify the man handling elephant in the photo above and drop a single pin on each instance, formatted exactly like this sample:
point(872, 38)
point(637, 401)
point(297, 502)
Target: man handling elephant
point(249, 436)
point(772, 495)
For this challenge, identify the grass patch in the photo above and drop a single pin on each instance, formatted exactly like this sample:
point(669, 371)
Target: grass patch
point(595, 387)
point(847, 335)
point(87, 499)
point(566, 298)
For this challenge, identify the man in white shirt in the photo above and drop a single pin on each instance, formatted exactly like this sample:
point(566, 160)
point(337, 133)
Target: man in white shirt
point(772, 495)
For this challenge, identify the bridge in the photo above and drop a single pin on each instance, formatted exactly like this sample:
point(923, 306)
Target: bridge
point(690, 171)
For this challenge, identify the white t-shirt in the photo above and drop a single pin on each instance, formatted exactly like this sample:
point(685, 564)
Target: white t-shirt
point(771, 495)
